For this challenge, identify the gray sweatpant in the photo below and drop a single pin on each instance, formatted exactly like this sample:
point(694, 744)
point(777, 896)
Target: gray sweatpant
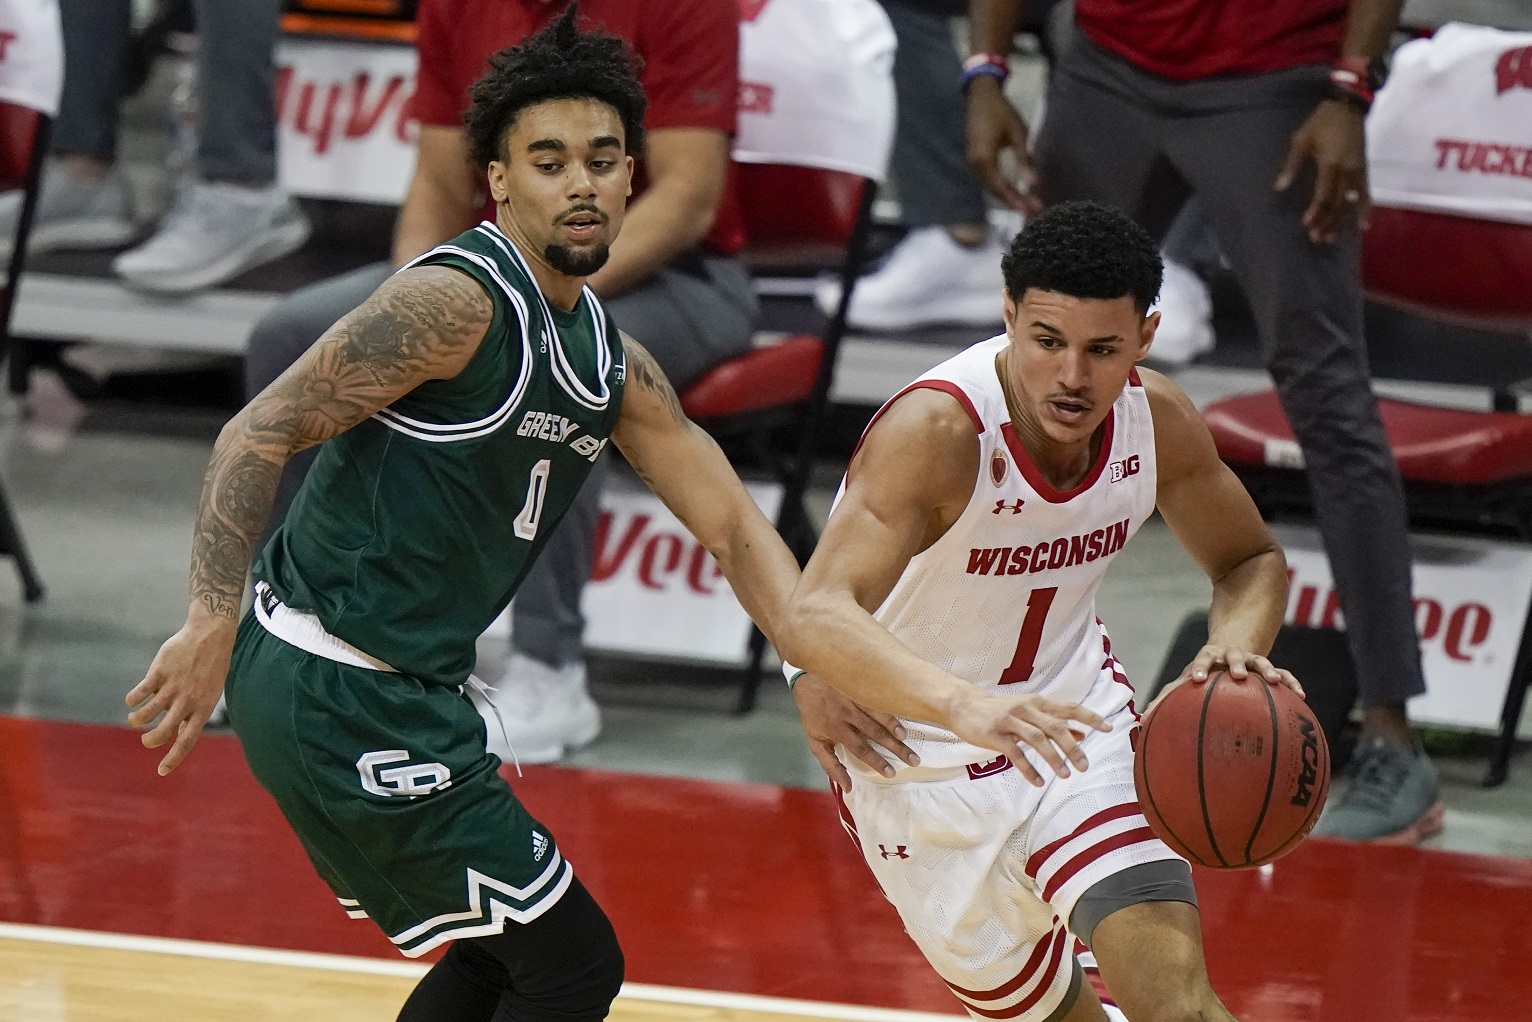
point(1118, 134)
point(236, 84)
point(929, 171)
point(687, 322)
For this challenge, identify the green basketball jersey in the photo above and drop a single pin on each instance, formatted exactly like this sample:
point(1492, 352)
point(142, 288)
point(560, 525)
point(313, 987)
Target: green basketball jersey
point(414, 528)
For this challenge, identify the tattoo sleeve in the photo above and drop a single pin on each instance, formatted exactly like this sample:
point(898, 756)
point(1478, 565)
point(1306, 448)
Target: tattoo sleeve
point(644, 371)
point(424, 323)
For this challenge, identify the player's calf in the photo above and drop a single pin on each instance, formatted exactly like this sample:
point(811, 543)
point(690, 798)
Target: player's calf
point(1150, 955)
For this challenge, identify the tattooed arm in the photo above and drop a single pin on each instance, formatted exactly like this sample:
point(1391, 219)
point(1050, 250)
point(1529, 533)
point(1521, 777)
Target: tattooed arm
point(423, 323)
point(688, 471)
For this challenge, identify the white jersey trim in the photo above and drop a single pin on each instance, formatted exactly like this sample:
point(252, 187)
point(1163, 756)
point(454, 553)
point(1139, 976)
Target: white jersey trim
point(567, 378)
point(448, 432)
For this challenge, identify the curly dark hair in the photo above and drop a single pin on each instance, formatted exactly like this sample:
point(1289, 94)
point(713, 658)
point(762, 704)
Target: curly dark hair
point(1085, 250)
point(560, 62)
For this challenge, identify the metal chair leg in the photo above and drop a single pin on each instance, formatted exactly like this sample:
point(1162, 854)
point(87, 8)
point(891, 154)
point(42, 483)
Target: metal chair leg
point(751, 686)
point(1510, 715)
point(12, 543)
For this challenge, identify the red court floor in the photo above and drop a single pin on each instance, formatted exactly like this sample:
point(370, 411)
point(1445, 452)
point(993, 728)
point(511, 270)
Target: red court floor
point(734, 887)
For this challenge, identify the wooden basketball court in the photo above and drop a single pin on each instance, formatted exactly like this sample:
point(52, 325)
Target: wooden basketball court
point(58, 975)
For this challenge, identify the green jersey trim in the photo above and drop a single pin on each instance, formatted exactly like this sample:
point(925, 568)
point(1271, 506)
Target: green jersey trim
point(441, 433)
point(563, 372)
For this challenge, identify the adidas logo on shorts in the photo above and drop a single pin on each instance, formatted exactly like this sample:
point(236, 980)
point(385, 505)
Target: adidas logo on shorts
point(539, 846)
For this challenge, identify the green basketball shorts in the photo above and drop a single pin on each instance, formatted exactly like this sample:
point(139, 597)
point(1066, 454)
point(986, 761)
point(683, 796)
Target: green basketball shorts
point(386, 783)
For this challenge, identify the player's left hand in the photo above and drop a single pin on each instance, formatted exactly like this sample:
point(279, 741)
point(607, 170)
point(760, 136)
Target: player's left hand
point(1333, 138)
point(830, 719)
point(1240, 664)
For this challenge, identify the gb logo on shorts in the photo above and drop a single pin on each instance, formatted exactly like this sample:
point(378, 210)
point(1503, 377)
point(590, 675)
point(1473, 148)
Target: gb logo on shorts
point(410, 781)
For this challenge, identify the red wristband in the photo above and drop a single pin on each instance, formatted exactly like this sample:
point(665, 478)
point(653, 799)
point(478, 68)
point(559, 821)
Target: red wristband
point(1352, 75)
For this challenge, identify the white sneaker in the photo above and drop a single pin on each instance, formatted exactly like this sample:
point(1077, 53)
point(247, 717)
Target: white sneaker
point(212, 233)
point(1186, 318)
point(927, 280)
point(536, 713)
point(71, 213)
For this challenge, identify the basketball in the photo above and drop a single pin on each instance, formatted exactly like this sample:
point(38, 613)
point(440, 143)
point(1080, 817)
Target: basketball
point(1231, 774)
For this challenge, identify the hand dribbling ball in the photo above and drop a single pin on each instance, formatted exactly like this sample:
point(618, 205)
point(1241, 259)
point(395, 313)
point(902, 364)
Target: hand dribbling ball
point(1231, 774)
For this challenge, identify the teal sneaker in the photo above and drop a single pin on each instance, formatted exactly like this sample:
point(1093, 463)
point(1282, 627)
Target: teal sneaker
point(1394, 797)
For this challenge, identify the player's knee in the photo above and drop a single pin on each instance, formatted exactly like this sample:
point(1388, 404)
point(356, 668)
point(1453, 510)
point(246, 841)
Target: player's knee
point(604, 974)
point(581, 975)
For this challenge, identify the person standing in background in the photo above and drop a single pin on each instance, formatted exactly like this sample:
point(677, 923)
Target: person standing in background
point(1258, 108)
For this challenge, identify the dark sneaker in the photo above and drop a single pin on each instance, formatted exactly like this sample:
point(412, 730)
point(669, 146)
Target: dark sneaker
point(1393, 797)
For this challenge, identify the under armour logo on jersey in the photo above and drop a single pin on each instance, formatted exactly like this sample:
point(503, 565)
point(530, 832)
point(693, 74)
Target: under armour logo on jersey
point(539, 846)
point(1014, 507)
point(410, 781)
point(898, 852)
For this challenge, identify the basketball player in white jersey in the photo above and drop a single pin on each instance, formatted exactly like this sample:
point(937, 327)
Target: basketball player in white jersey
point(961, 563)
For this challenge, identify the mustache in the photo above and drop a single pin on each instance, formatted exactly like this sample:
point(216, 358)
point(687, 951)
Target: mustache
point(583, 207)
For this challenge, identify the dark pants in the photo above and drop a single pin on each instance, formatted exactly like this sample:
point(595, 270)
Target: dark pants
point(236, 84)
point(1118, 134)
point(689, 321)
point(929, 169)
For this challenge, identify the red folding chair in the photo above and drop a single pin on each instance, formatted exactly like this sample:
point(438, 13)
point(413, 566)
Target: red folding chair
point(799, 217)
point(23, 146)
point(1465, 468)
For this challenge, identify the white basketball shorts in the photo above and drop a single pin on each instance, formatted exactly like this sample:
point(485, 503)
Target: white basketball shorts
point(985, 869)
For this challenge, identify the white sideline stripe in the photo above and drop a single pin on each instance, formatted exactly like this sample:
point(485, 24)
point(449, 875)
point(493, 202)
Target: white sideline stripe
point(412, 970)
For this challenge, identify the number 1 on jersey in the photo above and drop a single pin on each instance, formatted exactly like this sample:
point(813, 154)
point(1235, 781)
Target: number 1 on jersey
point(532, 510)
point(1031, 636)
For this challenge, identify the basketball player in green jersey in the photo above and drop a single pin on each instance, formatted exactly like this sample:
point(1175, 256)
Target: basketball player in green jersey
point(463, 405)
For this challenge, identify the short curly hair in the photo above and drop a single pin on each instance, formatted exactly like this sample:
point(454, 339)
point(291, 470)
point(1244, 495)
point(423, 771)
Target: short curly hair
point(1085, 250)
point(560, 62)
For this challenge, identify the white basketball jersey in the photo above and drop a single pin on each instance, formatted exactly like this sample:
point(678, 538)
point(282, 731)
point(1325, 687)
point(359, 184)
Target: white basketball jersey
point(1006, 599)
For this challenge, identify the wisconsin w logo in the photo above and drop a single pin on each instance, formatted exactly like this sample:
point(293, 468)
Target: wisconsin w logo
point(409, 781)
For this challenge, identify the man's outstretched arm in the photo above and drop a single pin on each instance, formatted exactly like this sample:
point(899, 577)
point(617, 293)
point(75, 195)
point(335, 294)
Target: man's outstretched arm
point(689, 472)
point(423, 323)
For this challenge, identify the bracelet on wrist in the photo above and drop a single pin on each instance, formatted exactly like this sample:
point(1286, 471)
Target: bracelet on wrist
point(1356, 80)
point(984, 65)
point(1352, 97)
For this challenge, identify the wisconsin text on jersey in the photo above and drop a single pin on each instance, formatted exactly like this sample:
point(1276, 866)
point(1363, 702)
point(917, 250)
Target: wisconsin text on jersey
point(1064, 552)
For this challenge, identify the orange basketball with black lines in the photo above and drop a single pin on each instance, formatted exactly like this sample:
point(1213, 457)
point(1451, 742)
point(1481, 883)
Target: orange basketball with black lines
point(1231, 774)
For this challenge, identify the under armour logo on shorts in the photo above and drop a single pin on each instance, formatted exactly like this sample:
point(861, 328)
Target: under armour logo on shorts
point(898, 852)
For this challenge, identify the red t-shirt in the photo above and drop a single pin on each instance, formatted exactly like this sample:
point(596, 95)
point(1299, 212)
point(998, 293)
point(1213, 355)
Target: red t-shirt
point(1186, 39)
point(690, 50)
